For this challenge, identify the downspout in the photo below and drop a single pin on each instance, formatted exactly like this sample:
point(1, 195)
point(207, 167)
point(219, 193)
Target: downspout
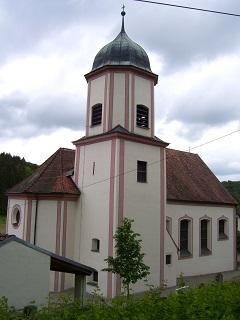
point(35, 224)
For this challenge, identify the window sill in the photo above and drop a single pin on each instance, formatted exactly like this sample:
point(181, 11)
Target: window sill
point(95, 250)
point(205, 252)
point(185, 255)
point(92, 283)
point(222, 237)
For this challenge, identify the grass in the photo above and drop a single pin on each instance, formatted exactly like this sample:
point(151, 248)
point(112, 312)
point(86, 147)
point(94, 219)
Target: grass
point(2, 224)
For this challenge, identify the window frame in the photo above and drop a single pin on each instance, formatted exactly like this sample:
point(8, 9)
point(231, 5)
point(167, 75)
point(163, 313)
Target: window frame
point(185, 252)
point(95, 245)
point(205, 245)
point(142, 116)
point(141, 171)
point(16, 216)
point(225, 234)
point(96, 116)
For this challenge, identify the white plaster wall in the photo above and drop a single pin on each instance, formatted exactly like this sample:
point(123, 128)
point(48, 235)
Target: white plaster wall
point(97, 96)
point(19, 232)
point(142, 204)
point(222, 257)
point(119, 100)
point(46, 225)
point(24, 275)
point(71, 216)
point(143, 96)
point(171, 269)
point(93, 208)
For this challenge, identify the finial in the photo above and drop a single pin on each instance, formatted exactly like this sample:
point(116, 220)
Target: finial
point(123, 14)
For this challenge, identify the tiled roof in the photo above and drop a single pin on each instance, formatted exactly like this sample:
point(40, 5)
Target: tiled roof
point(50, 177)
point(189, 179)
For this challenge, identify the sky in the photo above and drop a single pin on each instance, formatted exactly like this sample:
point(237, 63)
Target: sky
point(47, 46)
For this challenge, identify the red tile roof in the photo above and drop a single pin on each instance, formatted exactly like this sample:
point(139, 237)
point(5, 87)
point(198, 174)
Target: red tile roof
point(189, 179)
point(50, 177)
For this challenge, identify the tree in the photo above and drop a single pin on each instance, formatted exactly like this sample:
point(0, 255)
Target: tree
point(128, 262)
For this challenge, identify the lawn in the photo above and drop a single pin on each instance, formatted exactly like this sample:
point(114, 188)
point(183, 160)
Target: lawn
point(2, 224)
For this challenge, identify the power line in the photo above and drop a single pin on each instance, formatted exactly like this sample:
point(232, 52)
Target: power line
point(152, 163)
point(189, 8)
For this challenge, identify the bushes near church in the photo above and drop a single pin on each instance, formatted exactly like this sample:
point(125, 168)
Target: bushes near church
point(211, 301)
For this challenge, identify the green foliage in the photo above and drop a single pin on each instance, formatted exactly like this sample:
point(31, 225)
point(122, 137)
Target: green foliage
point(210, 301)
point(233, 188)
point(129, 259)
point(12, 170)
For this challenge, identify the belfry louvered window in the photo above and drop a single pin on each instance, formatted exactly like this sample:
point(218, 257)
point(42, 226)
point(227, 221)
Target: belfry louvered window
point(97, 114)
point(142, 116)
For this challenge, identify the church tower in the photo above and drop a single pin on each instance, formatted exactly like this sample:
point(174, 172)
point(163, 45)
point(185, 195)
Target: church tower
point(120, 164)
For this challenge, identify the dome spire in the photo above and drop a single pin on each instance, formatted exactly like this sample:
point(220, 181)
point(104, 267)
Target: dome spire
point(123, 14)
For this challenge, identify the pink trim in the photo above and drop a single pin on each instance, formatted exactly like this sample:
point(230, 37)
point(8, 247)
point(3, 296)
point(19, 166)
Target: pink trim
point(127, 101)
point(227, 228)
point(133, 103)
point(64, 241)
point(162, 214)
point(111, 212)
point(120, 200)
point(77, 164)
point(186, 217)
point(152, 110)
point(141, 73)
point(111, 91)
point(121, 183)
point(119, 135)
point(105, 104)
point(24, 235)
point(88, 109)
point(209, 234)
point(202, 204)
point(234, 242)
point(8, 213)
point(57, 250)
point(29, 220)
point(20, 220)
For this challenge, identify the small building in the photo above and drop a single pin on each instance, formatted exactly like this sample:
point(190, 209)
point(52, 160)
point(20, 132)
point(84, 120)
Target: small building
point(25, 275)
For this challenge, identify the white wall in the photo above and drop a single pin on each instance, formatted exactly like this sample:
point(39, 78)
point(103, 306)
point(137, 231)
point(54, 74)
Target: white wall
point(222, 255)
point(24, 275)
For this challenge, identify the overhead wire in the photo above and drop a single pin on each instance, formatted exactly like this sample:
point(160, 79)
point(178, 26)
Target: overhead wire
point(189, 8)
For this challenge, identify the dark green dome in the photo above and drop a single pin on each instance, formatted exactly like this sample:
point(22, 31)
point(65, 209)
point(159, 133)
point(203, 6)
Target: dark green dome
point(122, 51)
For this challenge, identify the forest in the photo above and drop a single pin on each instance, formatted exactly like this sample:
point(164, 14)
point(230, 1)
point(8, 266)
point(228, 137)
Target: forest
point(12, 170)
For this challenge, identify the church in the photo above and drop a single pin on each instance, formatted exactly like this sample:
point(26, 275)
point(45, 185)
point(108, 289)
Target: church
point(74, 202)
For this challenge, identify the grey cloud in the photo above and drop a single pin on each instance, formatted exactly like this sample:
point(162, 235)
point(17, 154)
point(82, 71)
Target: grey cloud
point(22, 118)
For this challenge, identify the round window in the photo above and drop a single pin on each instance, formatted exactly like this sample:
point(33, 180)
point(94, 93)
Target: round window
point(16, 217)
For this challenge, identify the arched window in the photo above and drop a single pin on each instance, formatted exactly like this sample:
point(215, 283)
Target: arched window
point(142, 119)
point(205, 236)
point(185, 237)
point(223, 228)
point(97, 114)
point(16, 216)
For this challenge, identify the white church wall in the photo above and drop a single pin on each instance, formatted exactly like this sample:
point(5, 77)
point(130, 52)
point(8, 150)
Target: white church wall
point(93, 208)
point(170, 269)
point(97, 96)
point(143, 97)
point(222, 253)
point(19, 230)
point(142, 204)
point(119, 100)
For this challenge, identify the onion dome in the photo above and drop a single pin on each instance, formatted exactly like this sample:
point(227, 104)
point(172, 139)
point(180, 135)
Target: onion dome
point(122, 51)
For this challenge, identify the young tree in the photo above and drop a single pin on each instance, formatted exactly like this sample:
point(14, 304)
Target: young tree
point(128, 262)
